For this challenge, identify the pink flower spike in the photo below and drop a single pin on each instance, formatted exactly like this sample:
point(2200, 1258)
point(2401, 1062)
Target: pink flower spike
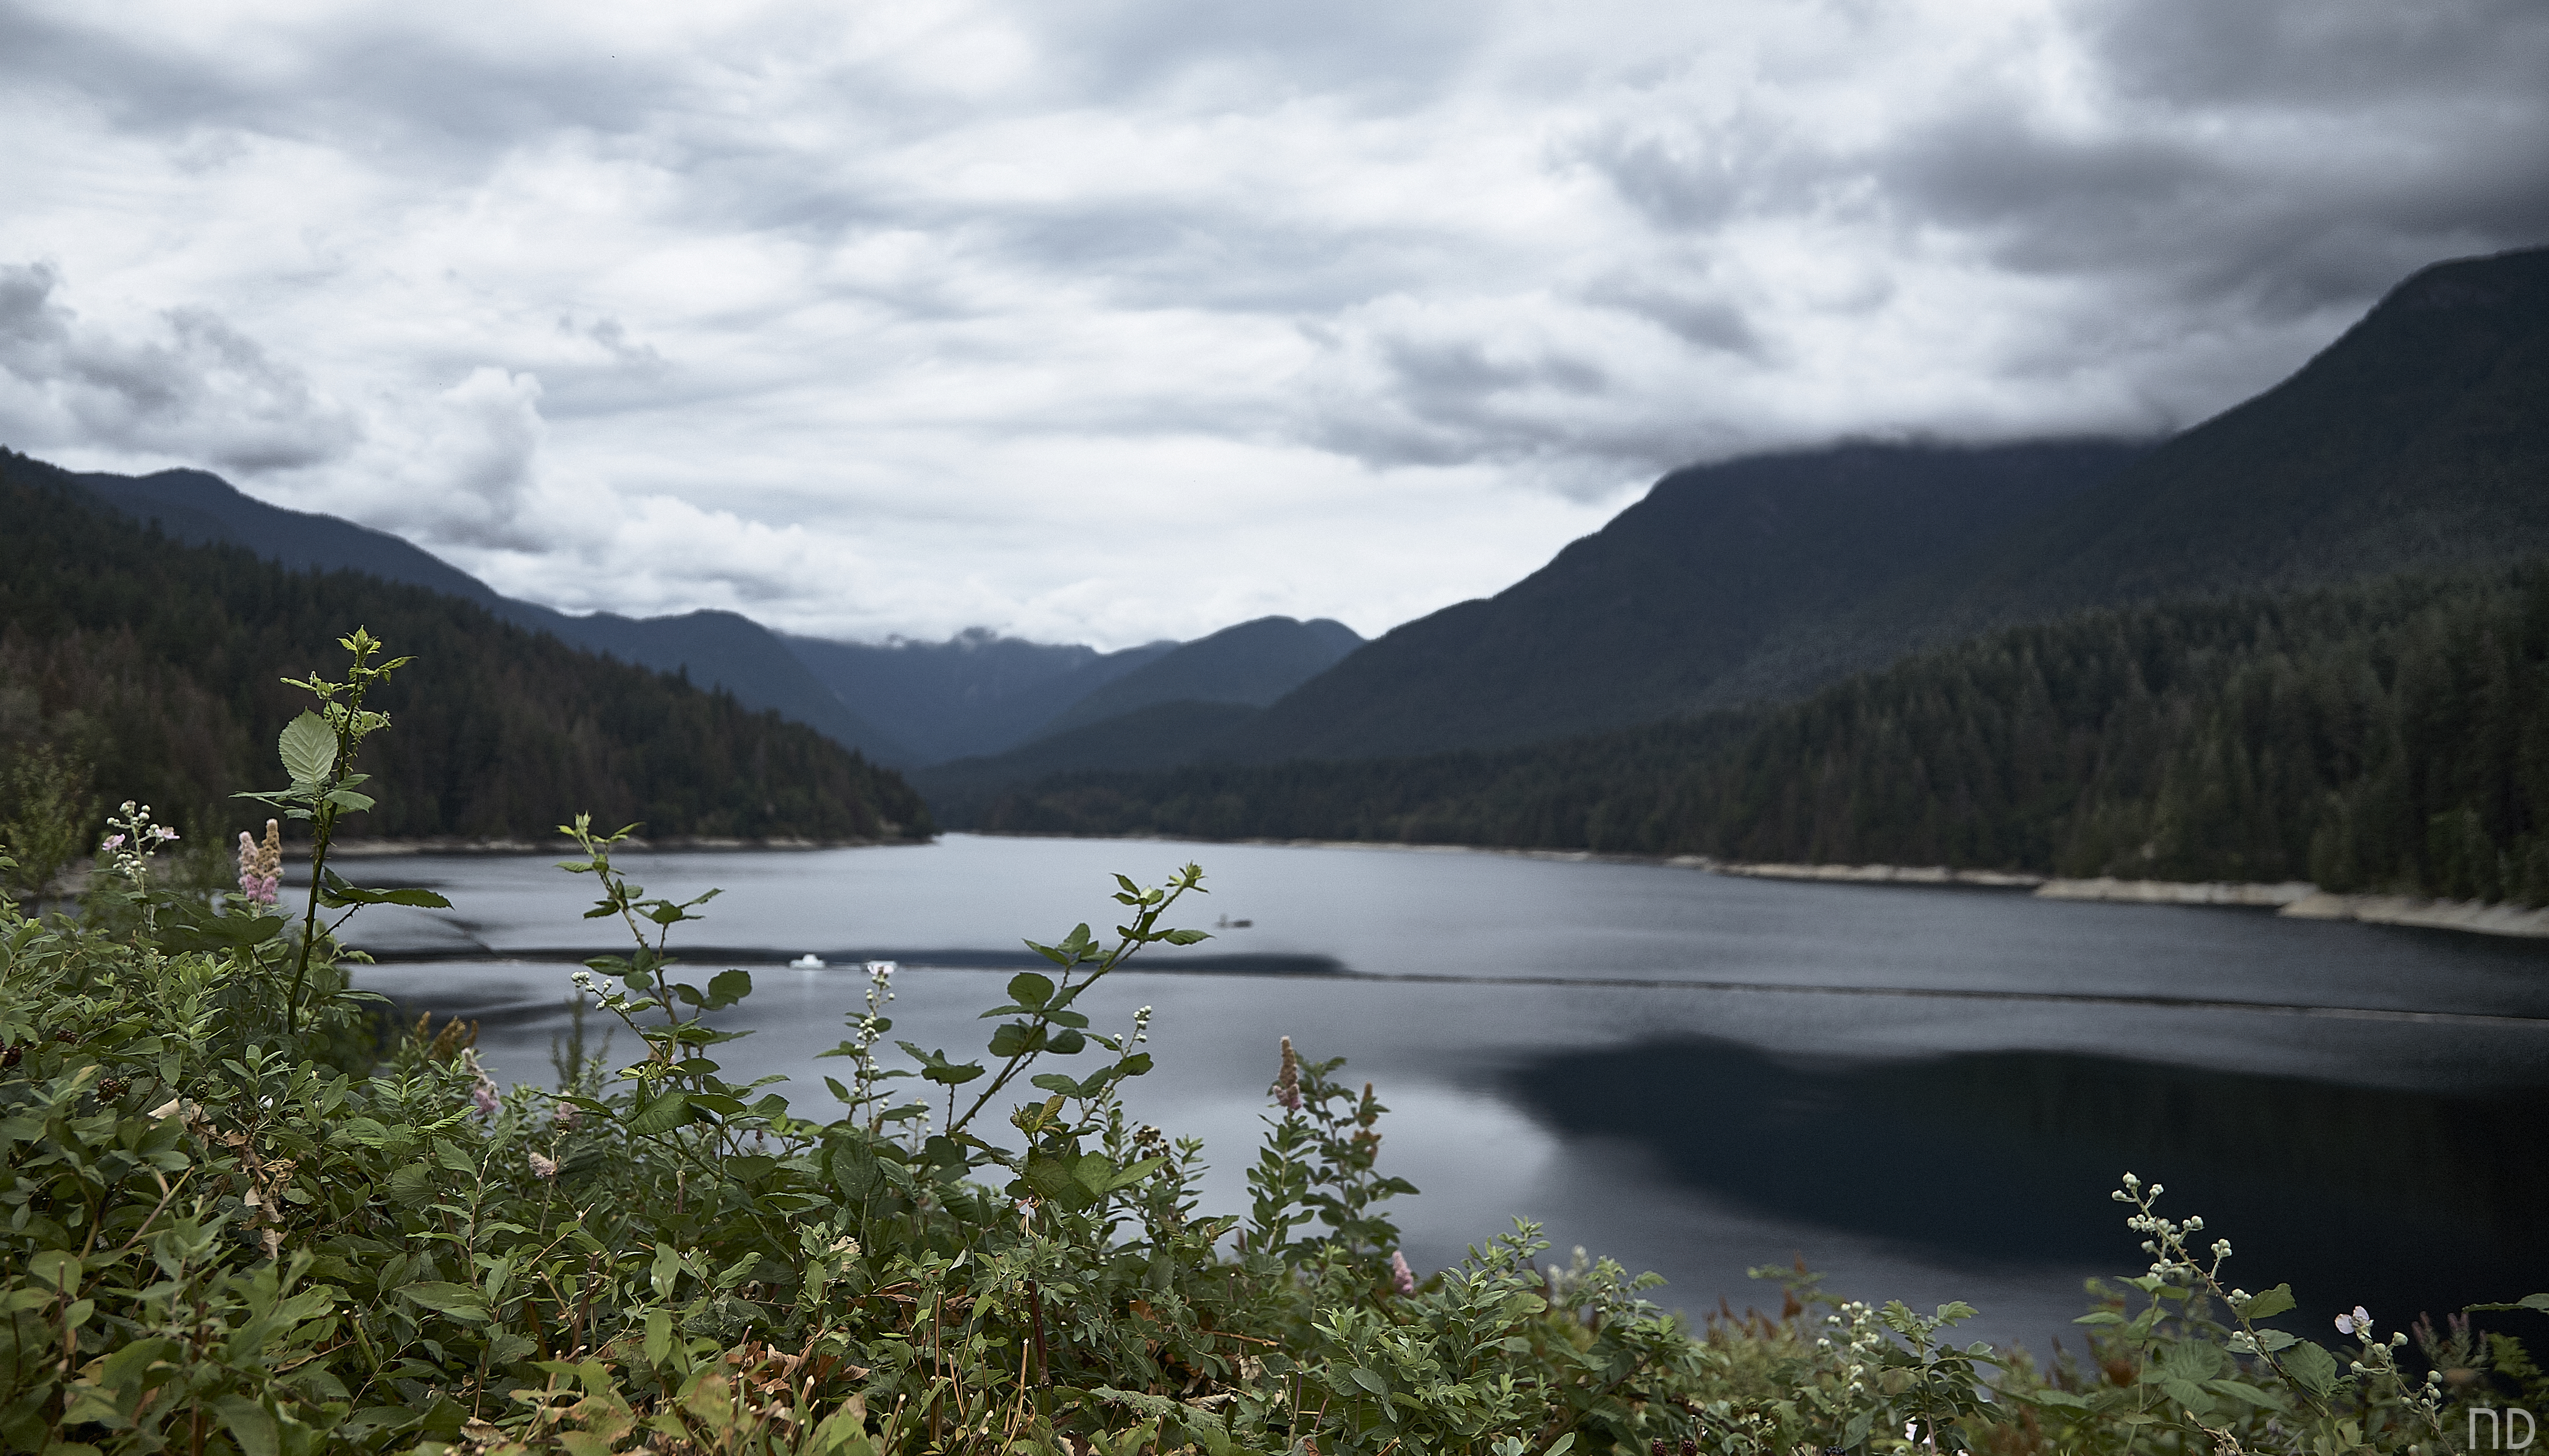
point(542, 1168)
point(1400, 1276)
point(484, 1096)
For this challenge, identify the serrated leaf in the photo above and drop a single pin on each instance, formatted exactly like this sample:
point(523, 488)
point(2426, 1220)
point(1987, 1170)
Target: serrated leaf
point(663, 1114)
point(2269, 1303)
point(2527, 1302)
point(309, 748)
point(2314, 1367)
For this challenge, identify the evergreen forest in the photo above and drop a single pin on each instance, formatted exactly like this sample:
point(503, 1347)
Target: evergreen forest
point(2389, 735)
point(132, 665)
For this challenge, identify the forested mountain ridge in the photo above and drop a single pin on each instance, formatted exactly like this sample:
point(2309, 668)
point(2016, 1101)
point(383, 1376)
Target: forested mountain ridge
point(1635, 621)
point(154, 666)
point(2385, 736)
point(2419, 438)
point(715, 649)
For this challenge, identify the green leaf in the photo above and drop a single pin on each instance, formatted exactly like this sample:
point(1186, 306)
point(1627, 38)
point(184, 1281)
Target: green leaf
point(728, 987)
point(2271, 1340)
point(2245, 1391)
point(459, 1301)
point(2527, 1302)
point(663, 1114)
point(186, 925)
point(2271, 1303)
point(1057, 1082)
point(411, 1185)
point(1067, 1042)
point(336, 893)
point(935, 1066)
point(1016, 1038)
point(309, 748)
point(250, 1424)
point(2314, 1367)
point(2100, 1317)
point(1187, 937)
point(1369, 1380)
point(1030, 989)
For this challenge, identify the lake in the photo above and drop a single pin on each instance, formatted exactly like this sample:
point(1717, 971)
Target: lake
point(1925, 1093)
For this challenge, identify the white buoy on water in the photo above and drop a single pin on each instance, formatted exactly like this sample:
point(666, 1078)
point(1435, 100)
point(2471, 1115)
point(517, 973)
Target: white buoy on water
point(808, 963)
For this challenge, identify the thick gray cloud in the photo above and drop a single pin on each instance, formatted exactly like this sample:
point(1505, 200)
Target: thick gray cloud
point(191, 384)
point(1115, 319)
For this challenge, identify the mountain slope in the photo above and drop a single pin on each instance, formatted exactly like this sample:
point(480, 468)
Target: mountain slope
point(1253, 663)
point(1637, 621)
point(2389, 735)
point(974, 694)
point(2420, 438)
point(715, 649)
point(157, 667)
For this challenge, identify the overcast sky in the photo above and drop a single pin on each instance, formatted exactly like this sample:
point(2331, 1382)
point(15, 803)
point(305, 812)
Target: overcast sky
point(1108, 320)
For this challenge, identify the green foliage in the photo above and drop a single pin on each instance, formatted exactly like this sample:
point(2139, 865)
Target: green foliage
point(2387, 737)
point(158, 670)
point(228, 1228)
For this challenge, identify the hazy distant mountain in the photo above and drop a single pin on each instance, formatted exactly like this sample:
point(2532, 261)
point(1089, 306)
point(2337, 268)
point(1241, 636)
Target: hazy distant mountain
point(975, 693)
point(1255, 663)
point(715, 649)
point(1635, 622)
point(1176, 711)
point(1161, 736)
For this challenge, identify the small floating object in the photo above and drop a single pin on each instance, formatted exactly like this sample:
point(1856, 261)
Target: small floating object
point(808, 963)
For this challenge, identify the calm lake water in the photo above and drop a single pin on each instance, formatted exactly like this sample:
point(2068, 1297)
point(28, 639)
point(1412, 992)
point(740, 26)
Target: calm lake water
point(1925, 1093)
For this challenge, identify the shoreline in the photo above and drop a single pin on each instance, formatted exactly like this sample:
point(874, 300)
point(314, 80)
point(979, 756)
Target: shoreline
point(454, 844)
point(2291, 899)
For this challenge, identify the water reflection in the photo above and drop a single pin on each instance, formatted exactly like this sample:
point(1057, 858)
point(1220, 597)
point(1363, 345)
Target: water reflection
point(2402, 1200)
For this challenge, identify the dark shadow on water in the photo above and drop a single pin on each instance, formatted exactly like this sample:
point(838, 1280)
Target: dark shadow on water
point(2402, 1201)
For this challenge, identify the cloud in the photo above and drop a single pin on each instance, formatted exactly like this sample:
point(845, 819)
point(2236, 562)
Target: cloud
point(1120, 319)
point(190, 386)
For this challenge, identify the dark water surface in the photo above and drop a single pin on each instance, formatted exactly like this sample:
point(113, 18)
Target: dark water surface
point(1926, 1093)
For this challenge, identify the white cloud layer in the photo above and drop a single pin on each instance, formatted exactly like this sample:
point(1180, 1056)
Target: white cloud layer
point(1108, 320)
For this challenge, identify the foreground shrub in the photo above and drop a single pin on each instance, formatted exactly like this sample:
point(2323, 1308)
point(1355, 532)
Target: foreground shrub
point(235, 1219)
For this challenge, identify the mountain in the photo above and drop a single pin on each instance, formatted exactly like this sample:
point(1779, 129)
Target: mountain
point(976, 693)
point(1177, 709)
point(1253, 663)
point(2386, 737)
point(1635, 622)
point(714, 649)
point(133, 664)
point(2419, 438)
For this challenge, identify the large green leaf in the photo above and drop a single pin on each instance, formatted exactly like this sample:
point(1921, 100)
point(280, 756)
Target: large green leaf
point(459, 1301)
point(2314, 1367)
point(309, 748)
point(663, 1114)
point(2268, 1303)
